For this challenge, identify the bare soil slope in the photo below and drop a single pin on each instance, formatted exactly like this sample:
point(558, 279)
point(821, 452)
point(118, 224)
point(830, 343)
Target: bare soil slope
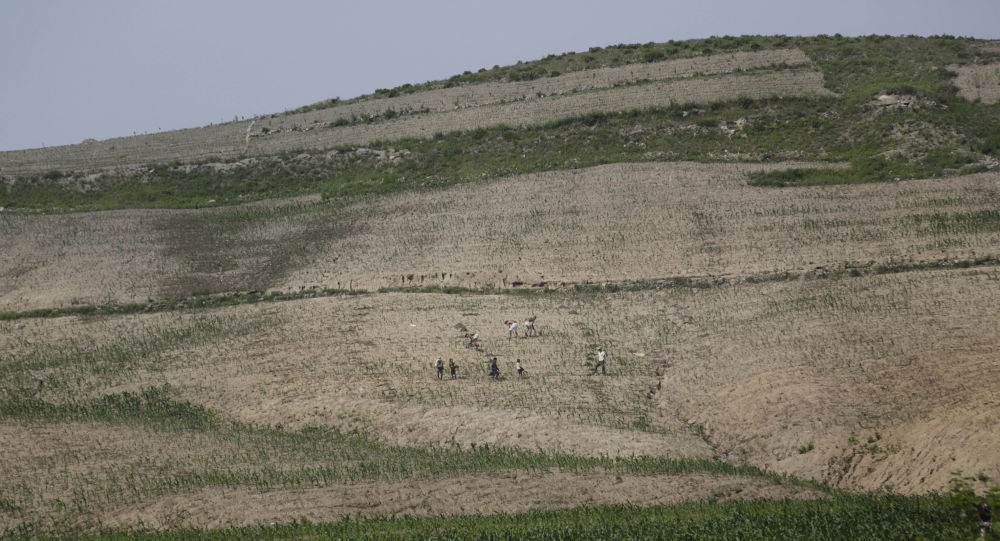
point(978, 82)
point(609, 223)
point(648, 221)
point(865, 381)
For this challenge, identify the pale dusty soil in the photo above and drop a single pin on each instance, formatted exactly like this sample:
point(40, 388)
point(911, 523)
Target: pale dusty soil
point(366, 363)
point(764, 368)
point(227, 139)
point(316, 363)
point(54, 260)
point(978, 82)
point(607, 223)
point(132, 256)
point(230, 139)
point(464, 495)
point(908, 360)
point(357, 362)
point(642, 221)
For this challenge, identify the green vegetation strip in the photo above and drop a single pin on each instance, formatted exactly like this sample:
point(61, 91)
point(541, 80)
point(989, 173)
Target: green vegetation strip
point(153, 406)
point(193, 302)
point(979, 221)
point(861, 517)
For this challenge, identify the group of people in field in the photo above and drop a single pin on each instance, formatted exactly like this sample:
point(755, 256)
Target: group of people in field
point(452, 367)
point(529, 327)
point(472, 340)
point(494, 368)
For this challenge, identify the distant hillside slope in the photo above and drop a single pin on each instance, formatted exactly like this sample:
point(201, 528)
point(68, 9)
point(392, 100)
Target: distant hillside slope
point(443, 110)
point(891, 107)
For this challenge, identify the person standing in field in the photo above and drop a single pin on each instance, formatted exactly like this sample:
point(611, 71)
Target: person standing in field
point(601, 355)
point(439, 365)
point(494, 369)
point(520, 369)
point(453, 368)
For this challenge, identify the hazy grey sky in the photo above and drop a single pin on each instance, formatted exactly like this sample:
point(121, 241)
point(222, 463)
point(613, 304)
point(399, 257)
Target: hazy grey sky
point(71, 70)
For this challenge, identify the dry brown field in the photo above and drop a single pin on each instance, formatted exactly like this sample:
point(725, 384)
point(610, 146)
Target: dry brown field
point(613, 223)
point(77, 477)
point(547, 100)
point(789, 363)
point(978, 82)
point(864, 382)
point(132, 256)
point(628, 222)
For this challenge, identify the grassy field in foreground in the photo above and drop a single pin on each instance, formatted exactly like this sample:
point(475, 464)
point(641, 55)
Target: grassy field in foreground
point(130, 449)
point(864, 517)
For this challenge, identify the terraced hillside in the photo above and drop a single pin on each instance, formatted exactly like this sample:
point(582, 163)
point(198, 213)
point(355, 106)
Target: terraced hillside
point(789, 250)
point(422, 114)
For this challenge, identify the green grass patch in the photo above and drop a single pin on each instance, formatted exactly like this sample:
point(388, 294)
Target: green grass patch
point(870, 170)
point(193, 302)
point(945, 223)
point(869, 517)
point(153, 407)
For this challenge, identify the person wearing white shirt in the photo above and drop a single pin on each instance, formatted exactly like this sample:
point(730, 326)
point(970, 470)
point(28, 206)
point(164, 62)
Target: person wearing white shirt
point(601, 355)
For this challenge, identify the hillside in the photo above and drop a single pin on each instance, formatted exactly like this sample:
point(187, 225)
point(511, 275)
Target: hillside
point(788, 246)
